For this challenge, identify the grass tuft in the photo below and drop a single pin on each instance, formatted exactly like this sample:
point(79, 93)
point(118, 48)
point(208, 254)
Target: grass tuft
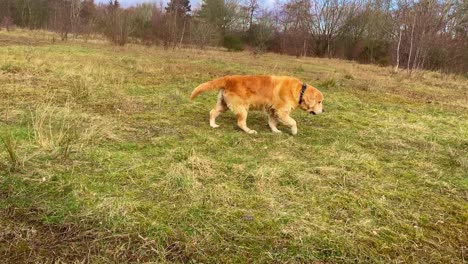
point(10, 68)
point(348, 76)
point(329, 84)
point(62, 130)
point(11, 149)
point(80, 91)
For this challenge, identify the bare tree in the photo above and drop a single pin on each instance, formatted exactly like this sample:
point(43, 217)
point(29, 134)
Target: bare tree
point(7, 22)
point(398, 51)
point(203, 33)
point(116, 23)
point(75, 9)
point(61, 19)
point(253, 7)
point(327, 17)
point(411, 44)
point(262, 32)
point(295, 23)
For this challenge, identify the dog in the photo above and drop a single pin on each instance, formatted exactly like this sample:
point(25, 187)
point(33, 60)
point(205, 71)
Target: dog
point(277, 95)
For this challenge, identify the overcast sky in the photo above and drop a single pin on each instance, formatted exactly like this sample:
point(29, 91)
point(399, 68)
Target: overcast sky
point(194, 3)
point(127, 3)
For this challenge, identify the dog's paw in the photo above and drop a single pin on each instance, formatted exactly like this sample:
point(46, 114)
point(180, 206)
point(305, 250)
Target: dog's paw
point(252, 132)
point(214, 126)
point(294, 130)
point(277, 131)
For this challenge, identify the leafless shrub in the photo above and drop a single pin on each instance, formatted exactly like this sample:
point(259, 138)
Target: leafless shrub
point(7, 23)
point(116, 23)
point(203, 34)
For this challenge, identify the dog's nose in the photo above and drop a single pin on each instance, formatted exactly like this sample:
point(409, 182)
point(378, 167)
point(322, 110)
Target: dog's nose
point(323, 110)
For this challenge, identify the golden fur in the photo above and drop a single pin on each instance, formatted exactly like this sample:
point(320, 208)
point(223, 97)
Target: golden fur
point(278, 95)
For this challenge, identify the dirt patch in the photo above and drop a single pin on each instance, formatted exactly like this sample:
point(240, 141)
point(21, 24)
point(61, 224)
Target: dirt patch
point(26, 239)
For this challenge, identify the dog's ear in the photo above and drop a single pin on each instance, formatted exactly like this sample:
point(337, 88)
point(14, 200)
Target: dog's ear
point(311, 98)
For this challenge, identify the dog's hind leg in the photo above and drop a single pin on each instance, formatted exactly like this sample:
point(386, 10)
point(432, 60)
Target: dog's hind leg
point(241, 114)
point(273, 122)
point(219, 108)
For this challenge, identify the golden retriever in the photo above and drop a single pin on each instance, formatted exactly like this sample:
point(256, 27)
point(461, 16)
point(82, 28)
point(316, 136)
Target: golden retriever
point(277, 95)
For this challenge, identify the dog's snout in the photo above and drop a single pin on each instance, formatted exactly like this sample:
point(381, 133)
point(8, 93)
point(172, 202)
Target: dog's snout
point(323, 110)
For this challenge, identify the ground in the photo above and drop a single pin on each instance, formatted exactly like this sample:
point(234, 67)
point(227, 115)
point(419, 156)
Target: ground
point(103, 158)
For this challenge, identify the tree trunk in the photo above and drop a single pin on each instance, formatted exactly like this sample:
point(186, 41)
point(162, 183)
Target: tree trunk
point(411, 46)
point(250, 24)
point(183, 33)
point(174, 31)
point(422, 61)
point(398, 53)
point(416, 57)
point(305, 48)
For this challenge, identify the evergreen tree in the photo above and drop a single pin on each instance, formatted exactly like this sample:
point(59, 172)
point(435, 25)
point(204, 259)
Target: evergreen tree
point(218, 13)
point(180, 7)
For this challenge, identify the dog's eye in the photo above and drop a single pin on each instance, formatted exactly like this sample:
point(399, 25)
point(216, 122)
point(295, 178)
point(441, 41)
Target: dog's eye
point(320, 102)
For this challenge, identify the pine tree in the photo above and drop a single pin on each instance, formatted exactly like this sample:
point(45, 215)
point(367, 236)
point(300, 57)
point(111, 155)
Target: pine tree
point(214, 12)
point(180, 7)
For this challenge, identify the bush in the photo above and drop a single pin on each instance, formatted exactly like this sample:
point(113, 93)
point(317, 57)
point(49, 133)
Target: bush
point(233, 43)
point(7, 23)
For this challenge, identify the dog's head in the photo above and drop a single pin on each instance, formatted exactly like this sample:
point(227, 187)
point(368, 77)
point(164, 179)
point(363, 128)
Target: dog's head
point(312, 101)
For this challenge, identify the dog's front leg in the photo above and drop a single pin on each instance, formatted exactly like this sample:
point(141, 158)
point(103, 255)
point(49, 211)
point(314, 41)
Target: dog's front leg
point(288, 121)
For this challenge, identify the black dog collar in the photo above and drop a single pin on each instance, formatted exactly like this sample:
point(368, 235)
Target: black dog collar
point(304, 87)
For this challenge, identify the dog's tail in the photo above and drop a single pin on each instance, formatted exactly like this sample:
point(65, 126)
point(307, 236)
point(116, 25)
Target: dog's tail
point(215, 84)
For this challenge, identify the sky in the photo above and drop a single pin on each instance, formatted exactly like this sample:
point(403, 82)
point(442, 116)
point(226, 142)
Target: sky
point(127, 3)
point(194, 3)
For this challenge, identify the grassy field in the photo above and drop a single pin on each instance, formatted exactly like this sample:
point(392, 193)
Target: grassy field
point(104, 159)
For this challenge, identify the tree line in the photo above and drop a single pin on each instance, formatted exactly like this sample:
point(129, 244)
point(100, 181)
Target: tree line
point(409, 34)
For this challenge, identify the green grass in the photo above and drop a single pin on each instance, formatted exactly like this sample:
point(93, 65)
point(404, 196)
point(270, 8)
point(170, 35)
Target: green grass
point(114, 164)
